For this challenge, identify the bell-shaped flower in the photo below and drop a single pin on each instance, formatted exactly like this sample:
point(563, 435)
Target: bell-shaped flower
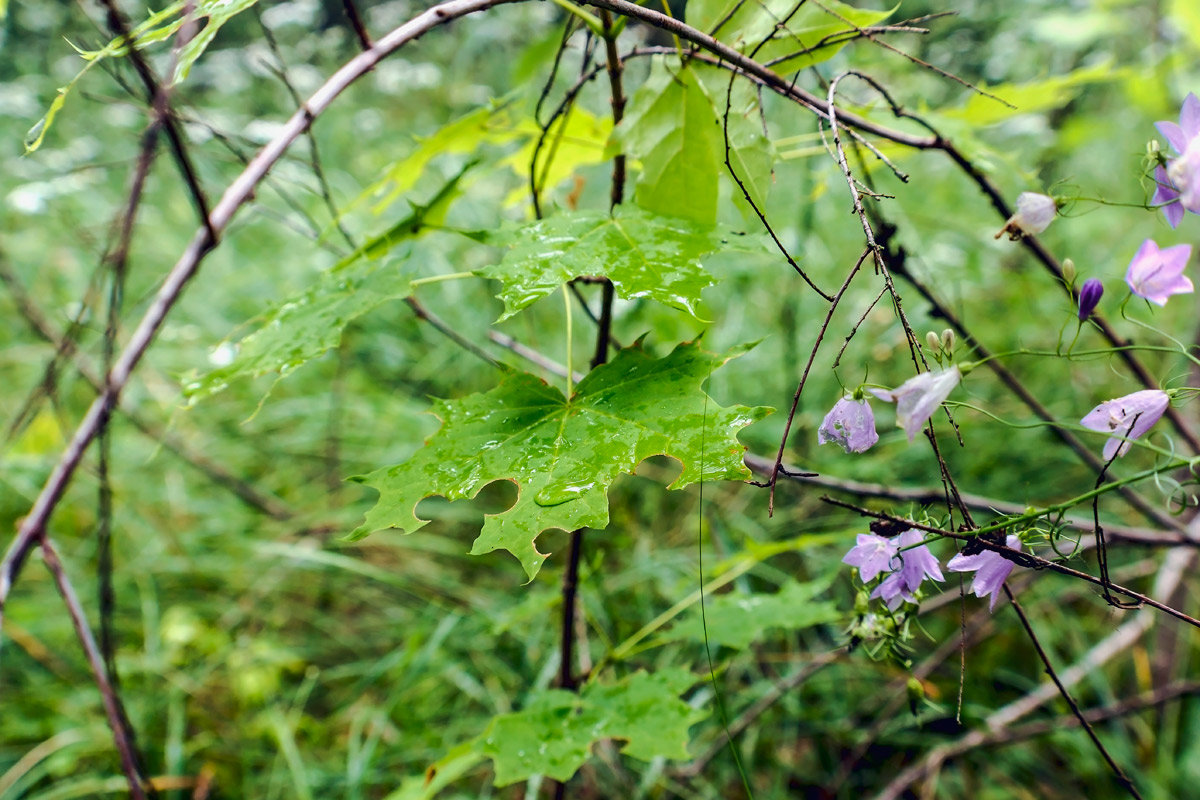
point(851, 424)
point(916, 564)
point(1179, 183)
point(1127, 418)
point(918, 397)
point(1157, 274)
point(1034, 214)
point(1167, 197)
point(991, 570)
point(872, 555)
point(1089, 297)
point(1184, 173)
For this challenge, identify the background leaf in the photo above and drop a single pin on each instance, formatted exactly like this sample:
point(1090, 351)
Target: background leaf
point(735, 619)
point(307, 325)
point(553, 736)
point(564, 453)
point(674, 129)
point(775, 29)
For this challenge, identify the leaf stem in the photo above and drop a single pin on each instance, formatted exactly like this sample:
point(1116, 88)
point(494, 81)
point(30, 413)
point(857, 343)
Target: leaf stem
point(567, 311)
point(453, 276)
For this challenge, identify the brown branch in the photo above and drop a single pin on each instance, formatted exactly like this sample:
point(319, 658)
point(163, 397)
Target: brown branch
point(237, 195)
point(112, 708)
point(1148, 537)
point(1122, 778)
point(356, 22)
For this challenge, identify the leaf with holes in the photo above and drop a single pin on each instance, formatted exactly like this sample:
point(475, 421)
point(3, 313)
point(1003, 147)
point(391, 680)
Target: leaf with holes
point(554, 734)
point(644, 254)
point(563, 453)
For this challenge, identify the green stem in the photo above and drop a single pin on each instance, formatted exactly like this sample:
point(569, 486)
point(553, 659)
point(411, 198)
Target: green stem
point(453, 276)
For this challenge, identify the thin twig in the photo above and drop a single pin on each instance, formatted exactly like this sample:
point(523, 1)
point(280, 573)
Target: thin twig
point(237, 195)
point(1122, 778)
point(356, 23)
point(138, 786)
point(1148, 537)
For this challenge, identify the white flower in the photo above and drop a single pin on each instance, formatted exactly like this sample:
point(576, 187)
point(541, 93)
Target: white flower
point(918, 397)
point(1034, 214)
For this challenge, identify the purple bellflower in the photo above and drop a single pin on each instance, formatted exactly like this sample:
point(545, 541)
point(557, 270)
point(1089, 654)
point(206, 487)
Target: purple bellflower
point(1126, 418)
point(851, 424)
point(1157, 274)
point(919, 396)
point(872, 555)
point(1179, 183)
point(991, 570)
point(1089, 297)
point(1034, 214)
point(915, 564)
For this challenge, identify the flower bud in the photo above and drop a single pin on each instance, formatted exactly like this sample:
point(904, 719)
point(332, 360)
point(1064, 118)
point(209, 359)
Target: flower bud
point(1089, 297)
point(916, 693)
point(1069, 272)
point(933, 342)
point(948, 340)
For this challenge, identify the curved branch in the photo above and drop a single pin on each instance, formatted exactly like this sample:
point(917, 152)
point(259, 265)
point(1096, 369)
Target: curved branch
point(238, 194)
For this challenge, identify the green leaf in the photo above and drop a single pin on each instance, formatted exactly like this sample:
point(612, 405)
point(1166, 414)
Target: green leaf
point(564, 453)
point(674, 128)
point(439, 775)
point(776, 29)
point(735, 620)
point(554, 735)
point(208, 15)
point(310, 323)
point(1030, 98)
point(576, 139)
point(645, 255)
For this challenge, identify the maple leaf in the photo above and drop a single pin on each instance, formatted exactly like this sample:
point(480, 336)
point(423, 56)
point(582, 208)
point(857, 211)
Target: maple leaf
point(562, 453)
point(643, 709)
point(642, 253)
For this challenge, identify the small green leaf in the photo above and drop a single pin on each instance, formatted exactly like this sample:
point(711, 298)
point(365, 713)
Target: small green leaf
point(564, 453)
point(208, 15)
point(1031, 98)
point(310, 323)
point(554, 735)
point(674, 128)
point(575, 139)
point(645, 255)
point(777, 29)
point(735, 620)
point(671, 128)
point(440, 774)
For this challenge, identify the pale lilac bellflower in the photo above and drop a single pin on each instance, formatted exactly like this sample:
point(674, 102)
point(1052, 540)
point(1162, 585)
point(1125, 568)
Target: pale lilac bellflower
point(872, 555)
point(851, 424)
point(1179, 182)
point(1157, 274)
point(1126, 418)
point(916, 564)
point(991, 570)
point(1089, 297)
point(918, 397)
point(1034, 214)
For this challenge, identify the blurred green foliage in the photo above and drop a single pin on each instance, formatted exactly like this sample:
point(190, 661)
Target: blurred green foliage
point(262, 655)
